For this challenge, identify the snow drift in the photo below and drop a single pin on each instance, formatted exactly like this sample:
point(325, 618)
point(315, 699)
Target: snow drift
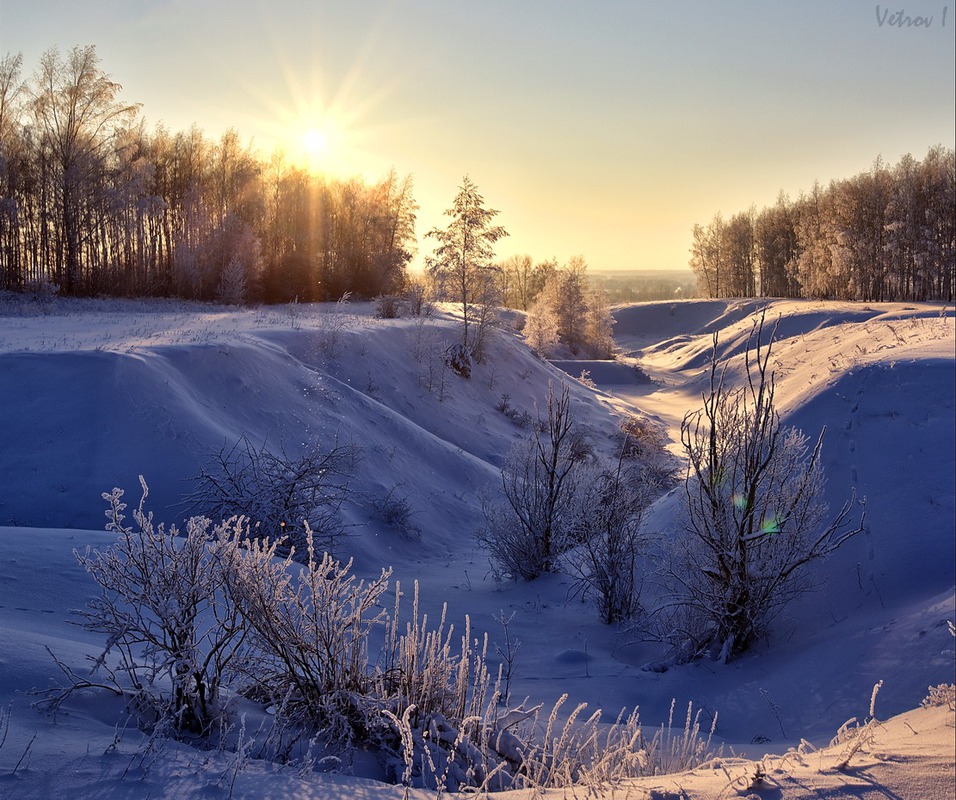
point(93, 394)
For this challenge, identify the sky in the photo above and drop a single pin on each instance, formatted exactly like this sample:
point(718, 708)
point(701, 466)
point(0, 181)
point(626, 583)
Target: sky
point(605, 129)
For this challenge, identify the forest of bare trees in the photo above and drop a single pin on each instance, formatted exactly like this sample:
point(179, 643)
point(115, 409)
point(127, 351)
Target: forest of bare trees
point(886, 234)
point(93, 203)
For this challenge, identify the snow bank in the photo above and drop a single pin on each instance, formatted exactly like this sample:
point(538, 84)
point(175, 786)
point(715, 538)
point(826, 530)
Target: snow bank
point(93, 394)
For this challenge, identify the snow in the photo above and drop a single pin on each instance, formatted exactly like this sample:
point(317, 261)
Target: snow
point(94, 393)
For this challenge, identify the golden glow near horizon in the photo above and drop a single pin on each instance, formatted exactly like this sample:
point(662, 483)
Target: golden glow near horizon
point(601, 129)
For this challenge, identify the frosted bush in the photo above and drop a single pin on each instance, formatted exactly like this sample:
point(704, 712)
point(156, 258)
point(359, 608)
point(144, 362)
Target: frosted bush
point(187, 616)
point(388, 306)
point(943, 695)
point(309, 629)
point(606, 563)
point(160, 609)
point(278, 493)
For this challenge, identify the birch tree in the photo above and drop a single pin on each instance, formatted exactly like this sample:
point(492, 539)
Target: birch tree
point(76, 110)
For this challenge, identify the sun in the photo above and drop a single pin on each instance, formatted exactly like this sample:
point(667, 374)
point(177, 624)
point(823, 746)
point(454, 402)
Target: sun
point(317, 146)
point(314, 142)
point(320, 127)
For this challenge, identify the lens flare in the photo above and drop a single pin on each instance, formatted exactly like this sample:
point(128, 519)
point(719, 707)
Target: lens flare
point(770, 525)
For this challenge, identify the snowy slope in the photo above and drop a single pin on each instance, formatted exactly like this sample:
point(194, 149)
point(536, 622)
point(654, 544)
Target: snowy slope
point(94, 393)
point(880, 379)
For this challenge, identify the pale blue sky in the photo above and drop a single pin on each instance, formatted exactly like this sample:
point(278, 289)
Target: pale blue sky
point(601, 128)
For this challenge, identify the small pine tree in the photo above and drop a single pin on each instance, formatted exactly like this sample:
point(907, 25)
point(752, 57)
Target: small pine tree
point(462, 261)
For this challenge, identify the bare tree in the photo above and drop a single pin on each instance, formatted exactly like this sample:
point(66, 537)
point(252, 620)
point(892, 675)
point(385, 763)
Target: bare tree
point(11, 89)
point(755, 513)
point(536, 523)
point(12, 157)
point(77, 113)
point(522, 280)
point(706, 257)
point(607, 566)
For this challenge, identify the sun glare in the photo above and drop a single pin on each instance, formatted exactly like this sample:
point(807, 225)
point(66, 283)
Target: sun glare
point(314, 142)
point(316, 146)
point(317, 126)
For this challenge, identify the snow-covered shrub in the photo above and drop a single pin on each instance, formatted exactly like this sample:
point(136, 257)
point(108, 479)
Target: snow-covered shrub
point(309, 659)
point(644, 440)
point(522, 418)
point(279, 494)
point(308, 627)
point(755, 516)
point(160, 609)
point(607, 562)
point(395, 510)
point(330, 326)
point(415, 300)
point(388, 306)
point(537, 520)
point(458, 360)
point(944, 694)
point(641, 437)
point(187, 614)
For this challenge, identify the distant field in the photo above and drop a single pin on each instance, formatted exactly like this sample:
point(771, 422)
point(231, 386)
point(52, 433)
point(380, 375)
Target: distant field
point(633, 286)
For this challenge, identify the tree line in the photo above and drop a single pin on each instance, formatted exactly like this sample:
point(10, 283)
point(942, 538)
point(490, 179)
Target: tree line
point(93, 203)
point(885, 234)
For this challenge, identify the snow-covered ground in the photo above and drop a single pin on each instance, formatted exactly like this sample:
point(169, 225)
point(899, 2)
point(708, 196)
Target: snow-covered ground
point(95, 393)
